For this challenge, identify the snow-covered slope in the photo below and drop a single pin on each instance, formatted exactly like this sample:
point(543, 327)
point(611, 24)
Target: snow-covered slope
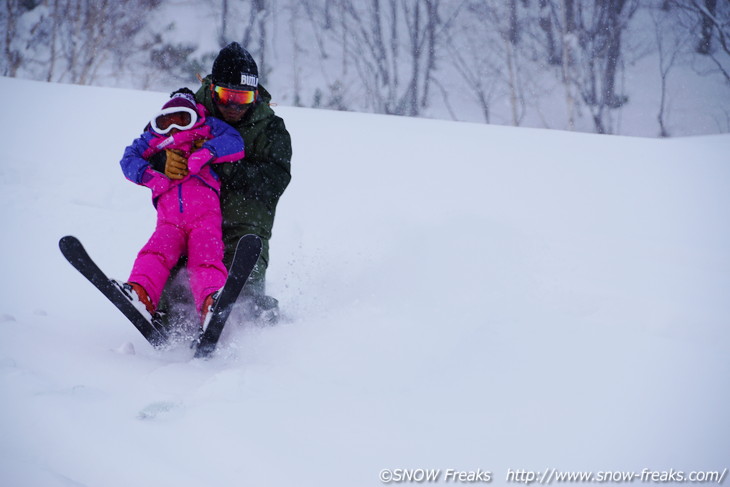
point(458, 296)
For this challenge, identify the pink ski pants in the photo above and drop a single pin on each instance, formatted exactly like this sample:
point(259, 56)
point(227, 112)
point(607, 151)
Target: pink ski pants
point(189, 223)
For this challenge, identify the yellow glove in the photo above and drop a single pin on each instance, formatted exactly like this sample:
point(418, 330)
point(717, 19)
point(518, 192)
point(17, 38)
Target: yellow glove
point(176, 164)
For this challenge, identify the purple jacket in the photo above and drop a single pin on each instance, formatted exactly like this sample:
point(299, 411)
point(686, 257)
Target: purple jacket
point(223, 143)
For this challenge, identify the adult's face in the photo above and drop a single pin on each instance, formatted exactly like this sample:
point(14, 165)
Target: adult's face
point(233, 113)
point(233, 103)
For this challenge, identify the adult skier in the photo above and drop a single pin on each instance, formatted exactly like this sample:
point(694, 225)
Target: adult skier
point(251, 188)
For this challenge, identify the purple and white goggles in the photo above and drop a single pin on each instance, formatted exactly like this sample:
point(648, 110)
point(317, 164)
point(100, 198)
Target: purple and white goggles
point(181, 118)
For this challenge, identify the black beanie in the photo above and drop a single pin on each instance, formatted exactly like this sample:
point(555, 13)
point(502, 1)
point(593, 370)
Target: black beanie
point(235, 68)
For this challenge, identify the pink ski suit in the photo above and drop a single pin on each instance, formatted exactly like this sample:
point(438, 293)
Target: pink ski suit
point(189, 218)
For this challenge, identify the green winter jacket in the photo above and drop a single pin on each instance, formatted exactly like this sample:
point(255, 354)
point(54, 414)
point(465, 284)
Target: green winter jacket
point(251, 187)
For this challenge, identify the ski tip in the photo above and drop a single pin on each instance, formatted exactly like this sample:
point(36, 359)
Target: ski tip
point(251, 241)
point(250, 237)
point(67, 242)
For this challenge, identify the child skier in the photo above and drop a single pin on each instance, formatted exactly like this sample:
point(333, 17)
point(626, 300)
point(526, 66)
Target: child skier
point(188, 210)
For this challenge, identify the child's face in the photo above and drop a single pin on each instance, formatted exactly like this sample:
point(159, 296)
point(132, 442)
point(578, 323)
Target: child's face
point(172, 122)
point(178, 118)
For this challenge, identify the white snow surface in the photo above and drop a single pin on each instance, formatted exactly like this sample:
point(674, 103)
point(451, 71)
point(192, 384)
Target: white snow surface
point(456, 296)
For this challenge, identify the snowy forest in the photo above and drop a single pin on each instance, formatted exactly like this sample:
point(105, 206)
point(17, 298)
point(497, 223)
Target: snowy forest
point(634, 67)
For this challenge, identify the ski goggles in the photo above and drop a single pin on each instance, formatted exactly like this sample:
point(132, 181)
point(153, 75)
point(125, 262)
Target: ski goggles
point(229, 96)
point(181, 118)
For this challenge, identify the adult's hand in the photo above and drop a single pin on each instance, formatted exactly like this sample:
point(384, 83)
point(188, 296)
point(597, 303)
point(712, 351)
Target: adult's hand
point(176, 164)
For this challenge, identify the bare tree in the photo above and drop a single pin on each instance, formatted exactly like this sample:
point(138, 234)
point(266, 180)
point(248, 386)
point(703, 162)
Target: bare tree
point(323, 24)
point(569, 46)
point(73, 40)
point(392, 44)
point(247, 22)
point(707, 14)
point(592, 53)
point(491, 50)
point(254, 36)
point(18, 33)
point(478, 67)
point(546, 24)
point(713, 19)
point(223, 36)
point(670, 43)
point(9, 21)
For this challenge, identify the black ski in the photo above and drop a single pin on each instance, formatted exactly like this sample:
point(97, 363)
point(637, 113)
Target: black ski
point(247, 253)
point(75, 253)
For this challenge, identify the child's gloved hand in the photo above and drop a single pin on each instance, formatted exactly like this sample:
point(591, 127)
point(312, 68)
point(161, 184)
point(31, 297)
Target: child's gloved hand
point(176, 166)
point(198, 159)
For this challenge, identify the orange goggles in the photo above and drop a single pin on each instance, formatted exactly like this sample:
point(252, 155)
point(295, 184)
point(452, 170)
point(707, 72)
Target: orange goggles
point(228, 96)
